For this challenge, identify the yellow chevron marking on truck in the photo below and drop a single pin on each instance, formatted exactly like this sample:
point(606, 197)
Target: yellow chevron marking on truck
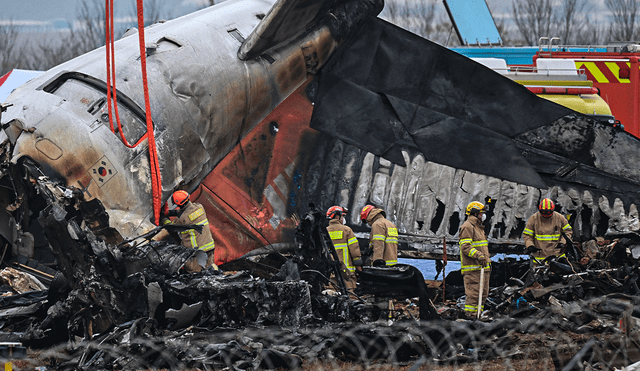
point(594, 70)
point(615, 69)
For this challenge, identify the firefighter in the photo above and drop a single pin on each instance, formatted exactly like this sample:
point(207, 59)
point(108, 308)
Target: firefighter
point(384, 236)
point(190, 213)
point(474, 255)
point(346, 245)
point(543, 233)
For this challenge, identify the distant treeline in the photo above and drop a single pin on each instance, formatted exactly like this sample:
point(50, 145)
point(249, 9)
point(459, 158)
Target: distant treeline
point(574, 21)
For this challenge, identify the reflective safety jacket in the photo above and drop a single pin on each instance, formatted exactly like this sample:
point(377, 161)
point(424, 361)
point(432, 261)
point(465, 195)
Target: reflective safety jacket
point(193, 213)
point(384, 238)
point(544, 233)
point(473, 243)
point(345, 243)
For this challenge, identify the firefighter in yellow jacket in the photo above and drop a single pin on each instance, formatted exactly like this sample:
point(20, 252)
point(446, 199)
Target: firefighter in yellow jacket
point(190, 213)
point(346, 245)
point(474, 255)
point(384, 236)
point(543, 233)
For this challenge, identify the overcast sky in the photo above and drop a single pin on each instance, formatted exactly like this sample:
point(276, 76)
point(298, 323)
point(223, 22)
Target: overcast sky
point(39, 11)
point(48, 11)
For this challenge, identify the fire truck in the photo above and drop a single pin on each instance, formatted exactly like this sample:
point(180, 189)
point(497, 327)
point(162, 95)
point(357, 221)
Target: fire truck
point(557, 80)
point(603, 81)
point(614, 72)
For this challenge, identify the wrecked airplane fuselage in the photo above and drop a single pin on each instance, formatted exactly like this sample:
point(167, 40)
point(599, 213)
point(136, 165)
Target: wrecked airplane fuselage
point(204, 98)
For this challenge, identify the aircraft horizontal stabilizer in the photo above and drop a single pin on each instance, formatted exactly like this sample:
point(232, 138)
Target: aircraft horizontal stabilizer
point(390, 90)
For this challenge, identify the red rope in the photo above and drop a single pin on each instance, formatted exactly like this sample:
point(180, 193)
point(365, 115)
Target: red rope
point(156, 179)
point(111, 76)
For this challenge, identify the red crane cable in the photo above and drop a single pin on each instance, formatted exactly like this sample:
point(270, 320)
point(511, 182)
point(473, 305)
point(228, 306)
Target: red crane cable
point(111, 76)
point(156, 179)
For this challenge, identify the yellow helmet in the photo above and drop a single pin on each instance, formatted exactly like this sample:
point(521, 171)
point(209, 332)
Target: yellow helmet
point(475, 205)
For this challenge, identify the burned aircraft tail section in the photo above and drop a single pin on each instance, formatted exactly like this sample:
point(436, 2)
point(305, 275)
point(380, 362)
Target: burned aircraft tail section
point(288, 19)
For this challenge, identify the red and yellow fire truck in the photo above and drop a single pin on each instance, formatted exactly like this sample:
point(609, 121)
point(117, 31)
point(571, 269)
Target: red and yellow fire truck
point(616, 75)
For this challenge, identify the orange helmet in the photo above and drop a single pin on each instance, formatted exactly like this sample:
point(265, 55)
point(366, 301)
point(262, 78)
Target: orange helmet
point(180, 197)
point(336, 210)
point(546, 207)
point(365, 212)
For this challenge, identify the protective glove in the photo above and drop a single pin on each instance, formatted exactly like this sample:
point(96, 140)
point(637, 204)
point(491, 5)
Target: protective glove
point(483, 260)
point(379, 263)
point(532, 250)
point(357, 261)
point(213, 269)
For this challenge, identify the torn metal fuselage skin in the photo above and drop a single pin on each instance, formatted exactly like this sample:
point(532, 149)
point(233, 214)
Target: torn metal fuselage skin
point(204, 99)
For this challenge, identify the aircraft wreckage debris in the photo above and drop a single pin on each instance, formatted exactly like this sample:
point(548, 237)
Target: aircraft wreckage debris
point(128, 305)
point(264, 122)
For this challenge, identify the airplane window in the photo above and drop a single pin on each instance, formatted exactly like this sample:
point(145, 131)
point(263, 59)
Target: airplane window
point(90, 95)
point(132, 127)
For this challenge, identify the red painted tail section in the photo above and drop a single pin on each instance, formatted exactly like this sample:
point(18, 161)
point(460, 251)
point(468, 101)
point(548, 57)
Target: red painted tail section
point(248, 196)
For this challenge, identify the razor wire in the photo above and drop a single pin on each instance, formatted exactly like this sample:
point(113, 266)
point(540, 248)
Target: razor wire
point(545, 340)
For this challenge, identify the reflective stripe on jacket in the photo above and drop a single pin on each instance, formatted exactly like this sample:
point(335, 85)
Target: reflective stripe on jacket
point(473, 243)
point(345, 243)
point(545, 234)
point(193, 213)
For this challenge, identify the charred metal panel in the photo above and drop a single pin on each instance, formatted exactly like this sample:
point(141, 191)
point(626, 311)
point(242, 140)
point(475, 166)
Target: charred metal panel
point(237, 301)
